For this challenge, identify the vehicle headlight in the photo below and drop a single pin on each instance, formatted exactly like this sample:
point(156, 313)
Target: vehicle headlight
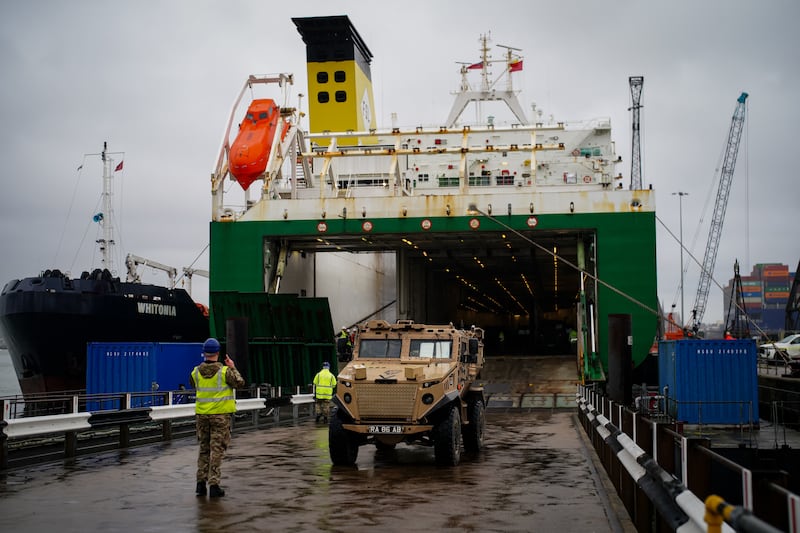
point(347, 398)
point(427, 398)
point(429, 384)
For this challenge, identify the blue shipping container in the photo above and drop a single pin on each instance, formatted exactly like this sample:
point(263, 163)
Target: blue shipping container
point(119, 367)
point(710, 381)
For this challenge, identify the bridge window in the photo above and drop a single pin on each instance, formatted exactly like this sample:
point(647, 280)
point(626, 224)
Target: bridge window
point(480, 181)
point(341, 96)
point(323, 97)
point(505, 180)
point(339, 76)
point(448, 181)
point(322, 77)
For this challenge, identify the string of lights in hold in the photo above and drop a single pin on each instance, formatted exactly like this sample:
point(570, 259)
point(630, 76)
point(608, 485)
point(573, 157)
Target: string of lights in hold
point(484, 297)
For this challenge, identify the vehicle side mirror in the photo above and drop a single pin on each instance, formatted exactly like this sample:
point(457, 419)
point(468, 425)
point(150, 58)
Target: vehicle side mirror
point(473, 348)
point(472, 352)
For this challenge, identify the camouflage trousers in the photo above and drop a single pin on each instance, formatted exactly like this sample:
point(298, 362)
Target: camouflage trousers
point(214, 435)
point(323, 408)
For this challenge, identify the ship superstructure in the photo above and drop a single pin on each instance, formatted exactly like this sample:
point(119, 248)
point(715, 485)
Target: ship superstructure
point(523, 228)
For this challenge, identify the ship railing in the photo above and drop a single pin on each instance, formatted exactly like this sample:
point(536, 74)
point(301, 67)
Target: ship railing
point(663, 475)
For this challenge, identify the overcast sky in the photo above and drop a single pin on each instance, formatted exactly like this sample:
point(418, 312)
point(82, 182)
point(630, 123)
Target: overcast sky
point(156, 79)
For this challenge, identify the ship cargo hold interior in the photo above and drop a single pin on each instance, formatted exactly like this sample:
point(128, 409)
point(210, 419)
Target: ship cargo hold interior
point(521, 289)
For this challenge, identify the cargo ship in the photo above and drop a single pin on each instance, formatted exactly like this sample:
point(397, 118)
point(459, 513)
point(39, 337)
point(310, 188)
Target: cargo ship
point(48, 320)
point(521, 226)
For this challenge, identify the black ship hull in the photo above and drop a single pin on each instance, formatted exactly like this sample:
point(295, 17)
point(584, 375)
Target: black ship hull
point(47, 322)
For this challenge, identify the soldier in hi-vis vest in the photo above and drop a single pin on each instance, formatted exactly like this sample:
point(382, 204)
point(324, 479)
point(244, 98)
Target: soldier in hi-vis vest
point(324, 383)
point(214, 384)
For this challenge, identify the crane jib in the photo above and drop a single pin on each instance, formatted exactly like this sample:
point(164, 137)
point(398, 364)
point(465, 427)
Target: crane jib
point(715, 229)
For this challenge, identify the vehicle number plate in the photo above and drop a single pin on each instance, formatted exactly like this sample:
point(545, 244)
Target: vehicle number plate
point(386, 429)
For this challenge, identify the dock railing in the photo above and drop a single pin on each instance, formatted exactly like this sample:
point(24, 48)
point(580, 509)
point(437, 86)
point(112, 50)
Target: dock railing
point(664, 476)
point(49, 427)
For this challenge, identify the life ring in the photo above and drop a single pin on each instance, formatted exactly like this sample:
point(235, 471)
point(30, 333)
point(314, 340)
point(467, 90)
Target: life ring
point(587, 179)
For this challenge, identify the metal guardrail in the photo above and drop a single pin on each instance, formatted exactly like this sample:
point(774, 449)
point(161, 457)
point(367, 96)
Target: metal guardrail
point(666, 469)
point(675, 504)
point(54, 436)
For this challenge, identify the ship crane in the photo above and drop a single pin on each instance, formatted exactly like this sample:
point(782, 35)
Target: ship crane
point(737, 322)
point(636, 83)
point(189, 272)
point(715, 229)
point(132, 261)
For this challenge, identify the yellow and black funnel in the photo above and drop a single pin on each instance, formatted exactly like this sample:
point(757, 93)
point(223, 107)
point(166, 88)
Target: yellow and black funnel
point(339, 79)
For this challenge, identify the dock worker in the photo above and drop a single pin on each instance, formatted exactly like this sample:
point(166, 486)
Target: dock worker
point(214, 383)
point(324, 383)
point(344, 334)
point(728, 336)
point(344, 344)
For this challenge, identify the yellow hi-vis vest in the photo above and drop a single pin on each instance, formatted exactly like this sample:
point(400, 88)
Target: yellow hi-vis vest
point(214, 396)
point(324, 382)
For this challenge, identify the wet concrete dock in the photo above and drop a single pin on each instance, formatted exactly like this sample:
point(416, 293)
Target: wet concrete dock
point(537, 473)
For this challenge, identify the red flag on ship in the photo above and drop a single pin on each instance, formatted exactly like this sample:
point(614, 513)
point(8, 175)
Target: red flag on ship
point(474, 66)
point(119, 167)
point(515, 66)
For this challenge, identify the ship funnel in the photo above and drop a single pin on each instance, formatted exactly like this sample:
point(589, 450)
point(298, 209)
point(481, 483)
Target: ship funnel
point(339, 79)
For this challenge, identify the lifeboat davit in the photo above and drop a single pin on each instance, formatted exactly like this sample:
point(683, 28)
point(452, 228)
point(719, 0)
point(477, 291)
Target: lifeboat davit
point(250, 151)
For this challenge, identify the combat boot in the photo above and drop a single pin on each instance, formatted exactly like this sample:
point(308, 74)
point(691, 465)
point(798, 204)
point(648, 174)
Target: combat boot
point(214, 491)
point(201, 488)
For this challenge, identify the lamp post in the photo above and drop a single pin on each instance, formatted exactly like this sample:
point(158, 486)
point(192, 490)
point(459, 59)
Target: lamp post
point(680, 215)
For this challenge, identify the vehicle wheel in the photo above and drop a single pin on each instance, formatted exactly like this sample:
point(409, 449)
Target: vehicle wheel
point(473, 433)
point(342, 446)
point(447, 439)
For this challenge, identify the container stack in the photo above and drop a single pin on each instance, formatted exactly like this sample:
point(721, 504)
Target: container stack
point(765, 292)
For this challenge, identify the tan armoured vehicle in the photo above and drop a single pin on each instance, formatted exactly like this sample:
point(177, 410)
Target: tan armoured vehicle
point(411, 383)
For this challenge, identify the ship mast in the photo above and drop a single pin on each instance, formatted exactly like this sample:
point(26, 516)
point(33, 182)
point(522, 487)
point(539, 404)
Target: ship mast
point(105, 217)
point(487, 92)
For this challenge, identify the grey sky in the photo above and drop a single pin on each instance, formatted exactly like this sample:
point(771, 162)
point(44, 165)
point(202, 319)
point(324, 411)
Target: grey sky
point(156, 79)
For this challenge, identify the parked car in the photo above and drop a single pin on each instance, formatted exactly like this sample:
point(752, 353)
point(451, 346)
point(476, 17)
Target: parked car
point(788, 346)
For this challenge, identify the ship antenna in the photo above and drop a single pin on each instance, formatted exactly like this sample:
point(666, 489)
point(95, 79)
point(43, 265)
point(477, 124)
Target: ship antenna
point(105, 216)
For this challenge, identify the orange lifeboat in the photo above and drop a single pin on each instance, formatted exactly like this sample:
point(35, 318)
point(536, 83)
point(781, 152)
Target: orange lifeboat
point(250, 151)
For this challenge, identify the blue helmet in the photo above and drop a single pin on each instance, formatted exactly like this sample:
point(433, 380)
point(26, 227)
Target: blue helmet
point(211, 346)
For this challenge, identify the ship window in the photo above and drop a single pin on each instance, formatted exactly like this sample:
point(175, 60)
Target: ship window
point(322, 77)
point(379, 349)
point(323, 97)
point(341, 96)
point(262, 115)
point(431, 349)
point(339, 76)
point(250, 116)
